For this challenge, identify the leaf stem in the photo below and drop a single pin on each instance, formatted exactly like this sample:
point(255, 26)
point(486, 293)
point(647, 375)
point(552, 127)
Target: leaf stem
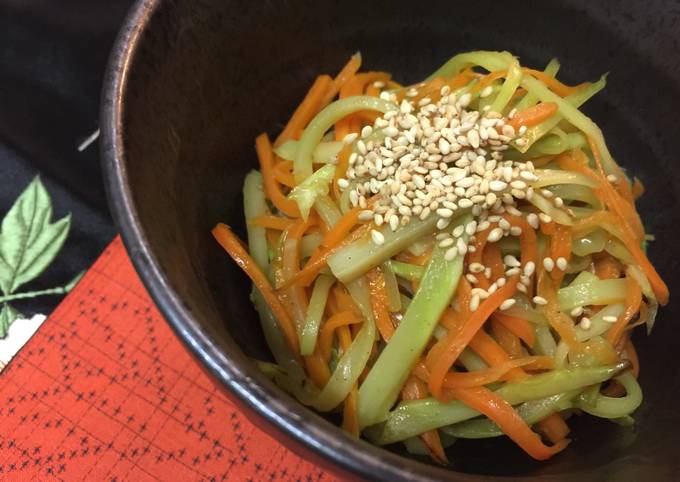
point(60, 290)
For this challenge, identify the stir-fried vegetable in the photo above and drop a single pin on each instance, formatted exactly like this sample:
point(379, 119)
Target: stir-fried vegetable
point(459, 258)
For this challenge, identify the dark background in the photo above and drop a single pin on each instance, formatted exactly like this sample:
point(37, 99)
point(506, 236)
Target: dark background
point(52, 59)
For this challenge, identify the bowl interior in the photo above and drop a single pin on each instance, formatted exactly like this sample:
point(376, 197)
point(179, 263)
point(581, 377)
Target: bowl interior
point(209, 76)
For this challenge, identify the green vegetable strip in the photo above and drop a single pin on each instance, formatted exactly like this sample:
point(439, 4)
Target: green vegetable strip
point(324, 120)
point(308, 244)
point(354, 360)
point(411, 272)
point(471, 361)
point(573, 192)
point(327, 209)
point(600, 292)
point(383, 383)
point(532, 412)
point(550, 177)
point(509, 87)
point(254, 205)
point(415, 417)
point(573, 116)
point(360, 256)
point(529, 100)
point(317, 305)
point(306, 192)
point(545, 343)
point(392, 288)
point(558, 215)
point(576, 99)
point(324, 153)
point(584, 277)
point(609, 407)
point(489, 60)
point(597, 325)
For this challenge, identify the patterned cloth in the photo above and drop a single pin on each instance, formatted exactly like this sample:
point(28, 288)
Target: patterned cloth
point(104, 391)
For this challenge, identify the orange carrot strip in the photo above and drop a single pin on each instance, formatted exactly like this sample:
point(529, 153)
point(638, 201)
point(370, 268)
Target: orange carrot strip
point(232, 245)
point(454, 343)
point(485, 376)
point(631, 354)
point(341, 169)
point(271, 222)
point(317, 368)
point(527, 240)
point(553, 427)
point(492, 259)
point(520, 327)
point(308, 108)
point(560, 247)
point(379, 303)
point(414, 389)
point(283, 173)
point(487, 80)
point(271, 187)
point(493, 406)
point(638, 189)
point(506, 339)
point(633, 300)
point(328, 330)
point(341, 229)
point(347, 72)
point(492, 353)
point(607, 267)
point(552, 83)
point(623, 207)
point(534, 115)
point(350, 417)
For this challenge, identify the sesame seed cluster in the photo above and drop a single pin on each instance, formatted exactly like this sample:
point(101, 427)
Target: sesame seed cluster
point(434, 158)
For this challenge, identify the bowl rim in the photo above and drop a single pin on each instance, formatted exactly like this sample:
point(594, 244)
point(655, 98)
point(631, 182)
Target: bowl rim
point(346, 454)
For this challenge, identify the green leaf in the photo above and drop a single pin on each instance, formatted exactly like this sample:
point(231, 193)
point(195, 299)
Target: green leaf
point(28, 240)
point(7, 316)
point(72, 284)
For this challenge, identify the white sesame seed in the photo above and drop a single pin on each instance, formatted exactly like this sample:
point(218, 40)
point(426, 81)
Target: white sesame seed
point(361, 147)
point(497, 186)
point(343, 183)
point(446, 242)
point(458, 231)
point(521, 288)
point(539, 300)
point(394, 222)
point(529, 268)
point(561, 263)
point(585, 323)
point(377, 237)
point(516, 231)
point(512, 272)
point(444, 212)
point(532, 219)
point(476, 267)
point(462, 246)
point(548, 264)
point(612, 178)
point(366, 131)
point(486, 91)
point(609, 318)
point(474, 302)
point(451, 253)
point(528, 176)
point(576, 312)
point(511, 261)
point(366, 215)
point(509, 303)
point(443, 223)
point(471, 278)
point(495, 235)
point(544, 218)
point(500, 282)
point(349, 138)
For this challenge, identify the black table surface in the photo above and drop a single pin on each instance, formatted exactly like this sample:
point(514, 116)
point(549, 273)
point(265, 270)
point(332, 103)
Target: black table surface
point(52, 59)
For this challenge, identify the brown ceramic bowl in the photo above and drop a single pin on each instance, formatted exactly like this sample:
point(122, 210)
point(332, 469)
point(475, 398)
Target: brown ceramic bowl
point(191, 83)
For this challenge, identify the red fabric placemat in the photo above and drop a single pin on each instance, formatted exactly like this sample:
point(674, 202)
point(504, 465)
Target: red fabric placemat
point(104, 391)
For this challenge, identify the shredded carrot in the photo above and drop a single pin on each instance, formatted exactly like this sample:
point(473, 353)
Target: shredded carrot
point(232, 245)
point(347, 72)
point(415, 389)
point(633, 300)
point(477, 255)
point(454, 343)
point(520, 327)
point(553, 84)
point(638, 188)
point(506, 339)
point(350, 417)
point(624, 206)
point(355, 86)
point(607, 267)
point(317, 367)
point(308, 108)
point(341, 169)
point(283, 173)
point(271, 187)
point(493, 354)
point(492, 259)
point(631, 354)
point(553, 427)
point(485, 376)
point(271, 222)
point(487, 80)
point(501, 412)
point(527, 240)
point(534, 115)
point(379, 303)
point(560, 247)
point(341, 228)
point(420, 260)
point(327, 331)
